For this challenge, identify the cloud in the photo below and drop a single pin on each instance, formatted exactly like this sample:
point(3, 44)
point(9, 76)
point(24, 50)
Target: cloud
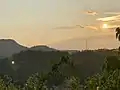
point(93, 13)
point(70, 27)
point(113, 26)
point(77, 26)
point(112, 13)
point(80, 26)
point(111, 21)
point(111, 18)
point(65, 27)
point(92, 27)
point(96, 13)
point(89, 27)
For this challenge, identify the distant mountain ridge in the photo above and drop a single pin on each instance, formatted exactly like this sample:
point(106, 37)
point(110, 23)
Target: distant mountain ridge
point(34, 59)
point(8, 47)
point(93, 42)
point(42, 48)
point(86, 63)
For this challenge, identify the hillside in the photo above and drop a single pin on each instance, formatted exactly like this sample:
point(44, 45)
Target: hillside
point(29, 62)
point(8, 47)
point(42, 48)
point(41, 58)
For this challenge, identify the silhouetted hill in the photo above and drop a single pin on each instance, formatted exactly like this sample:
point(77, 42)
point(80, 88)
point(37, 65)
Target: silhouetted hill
point(8, 47)
point(86, 63)
point(32, 60)
point(42, 48)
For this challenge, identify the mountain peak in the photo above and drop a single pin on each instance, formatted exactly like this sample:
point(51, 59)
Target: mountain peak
point(42, 48)
point(7, 40)
point(9, 47)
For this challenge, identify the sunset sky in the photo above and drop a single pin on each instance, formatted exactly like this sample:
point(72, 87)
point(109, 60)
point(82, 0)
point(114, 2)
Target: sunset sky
point(33, 22)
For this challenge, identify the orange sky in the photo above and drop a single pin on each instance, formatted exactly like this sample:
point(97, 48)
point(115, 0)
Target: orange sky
point(33, 22)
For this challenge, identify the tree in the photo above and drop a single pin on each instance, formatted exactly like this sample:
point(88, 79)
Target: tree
point(118, 33)
point(56, 76)
point(36, 82)
point(111, 81)
point(73, 83)
point(5, 84)
point(2, 84)
point(111, 63)
point(93, 82)
point(109, 78)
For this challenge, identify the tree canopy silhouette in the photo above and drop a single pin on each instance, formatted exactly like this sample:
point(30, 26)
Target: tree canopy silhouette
point(117, 33)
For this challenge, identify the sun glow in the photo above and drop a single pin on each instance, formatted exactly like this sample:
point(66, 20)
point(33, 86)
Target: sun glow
point(105, 26)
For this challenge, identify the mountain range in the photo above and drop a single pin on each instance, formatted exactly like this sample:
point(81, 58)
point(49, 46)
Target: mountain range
point(40, 58)
point(8, 47)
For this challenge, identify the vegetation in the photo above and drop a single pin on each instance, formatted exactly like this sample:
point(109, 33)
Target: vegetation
point(62, 74)
point(118, 33)
point(107, 79)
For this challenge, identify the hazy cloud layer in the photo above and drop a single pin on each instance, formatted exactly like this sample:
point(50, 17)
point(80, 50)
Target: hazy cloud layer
point(91, 13)
point(65, 27)
point(112, 13)
point(112, 21)
point(113, 26)
point(92, 27)
point(114, 18)
point(77, 26)
point(110, 18)
point(88, 27)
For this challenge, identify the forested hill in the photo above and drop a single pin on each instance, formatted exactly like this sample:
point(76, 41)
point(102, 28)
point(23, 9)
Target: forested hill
point(29, 62)
point(8, 47)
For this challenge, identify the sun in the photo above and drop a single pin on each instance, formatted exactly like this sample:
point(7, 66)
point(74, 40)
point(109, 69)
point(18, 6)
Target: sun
point(105, 26)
